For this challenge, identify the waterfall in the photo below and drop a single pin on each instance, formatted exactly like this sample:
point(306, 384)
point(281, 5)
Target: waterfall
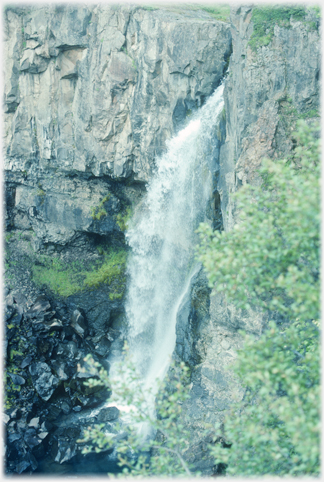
point(162, 239)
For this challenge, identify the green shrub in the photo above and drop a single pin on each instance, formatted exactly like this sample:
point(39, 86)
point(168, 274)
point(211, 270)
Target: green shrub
point(219, 12)
point(110, 271)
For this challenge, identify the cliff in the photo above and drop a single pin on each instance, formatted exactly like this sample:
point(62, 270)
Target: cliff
point(92, 94)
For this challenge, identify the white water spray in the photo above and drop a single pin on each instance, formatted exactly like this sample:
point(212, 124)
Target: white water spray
point(162, 238)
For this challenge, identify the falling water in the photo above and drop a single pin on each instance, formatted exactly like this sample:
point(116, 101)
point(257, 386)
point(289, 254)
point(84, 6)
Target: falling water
point(162, 238)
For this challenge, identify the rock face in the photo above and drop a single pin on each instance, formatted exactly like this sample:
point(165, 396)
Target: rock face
point(265, 93)
point(92, 94)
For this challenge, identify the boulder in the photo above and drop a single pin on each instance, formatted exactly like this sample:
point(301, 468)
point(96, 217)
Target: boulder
point(108, 414)
point(43, 379)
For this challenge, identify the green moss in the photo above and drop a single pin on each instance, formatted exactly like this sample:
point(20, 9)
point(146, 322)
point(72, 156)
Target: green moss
point(14, 353)
point(148, 7)
point(97, 212)
point(266, 17)
point(67, 280)
point(109, 272)
point(122, 219)
point(62, 280)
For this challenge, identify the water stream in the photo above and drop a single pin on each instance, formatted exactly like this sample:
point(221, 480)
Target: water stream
point(162, 238)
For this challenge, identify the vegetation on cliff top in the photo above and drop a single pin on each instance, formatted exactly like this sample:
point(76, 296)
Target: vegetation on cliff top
point(264, 19)
point(219, 12)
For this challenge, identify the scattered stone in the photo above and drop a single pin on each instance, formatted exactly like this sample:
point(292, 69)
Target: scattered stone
point(59, 368)
point(108, 414)
point(78, 323)
point(22, 466)
point(225, 344)
point(66, 408)
point(13, 437)
point(26, 361)
point(46, 426)
point(67, 350)
point(5, 418)
point(34, 422)
point(32, 441)
point(41, 305)
point(44, 381)
point(102, 348)
point(17, 379)
point(65, 451)
point(15, 414)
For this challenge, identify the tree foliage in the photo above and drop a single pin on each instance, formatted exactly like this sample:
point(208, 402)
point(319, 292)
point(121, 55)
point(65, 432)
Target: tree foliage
point(271, 259)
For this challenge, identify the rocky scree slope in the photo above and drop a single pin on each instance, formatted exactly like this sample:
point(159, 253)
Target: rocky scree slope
point(91, 96)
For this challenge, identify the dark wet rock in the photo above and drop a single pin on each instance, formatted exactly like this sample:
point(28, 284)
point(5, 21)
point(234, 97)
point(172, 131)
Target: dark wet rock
point(62, 369)
point(215, 376)
point(17, 379)
point(26, 361)
point(44, 381)
point(46, 426)
point(53, 412)
point(29, 461)
point(19, 301)
point(31, 440)
point(78, 323)
point(68, 351)
point(66, 407)
point(102, 348)
point(39, 307)
point(65, 451)
point(9, 311)
point(13, 437)
point(108, 414)
point(22, 466)
point(15, 414)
